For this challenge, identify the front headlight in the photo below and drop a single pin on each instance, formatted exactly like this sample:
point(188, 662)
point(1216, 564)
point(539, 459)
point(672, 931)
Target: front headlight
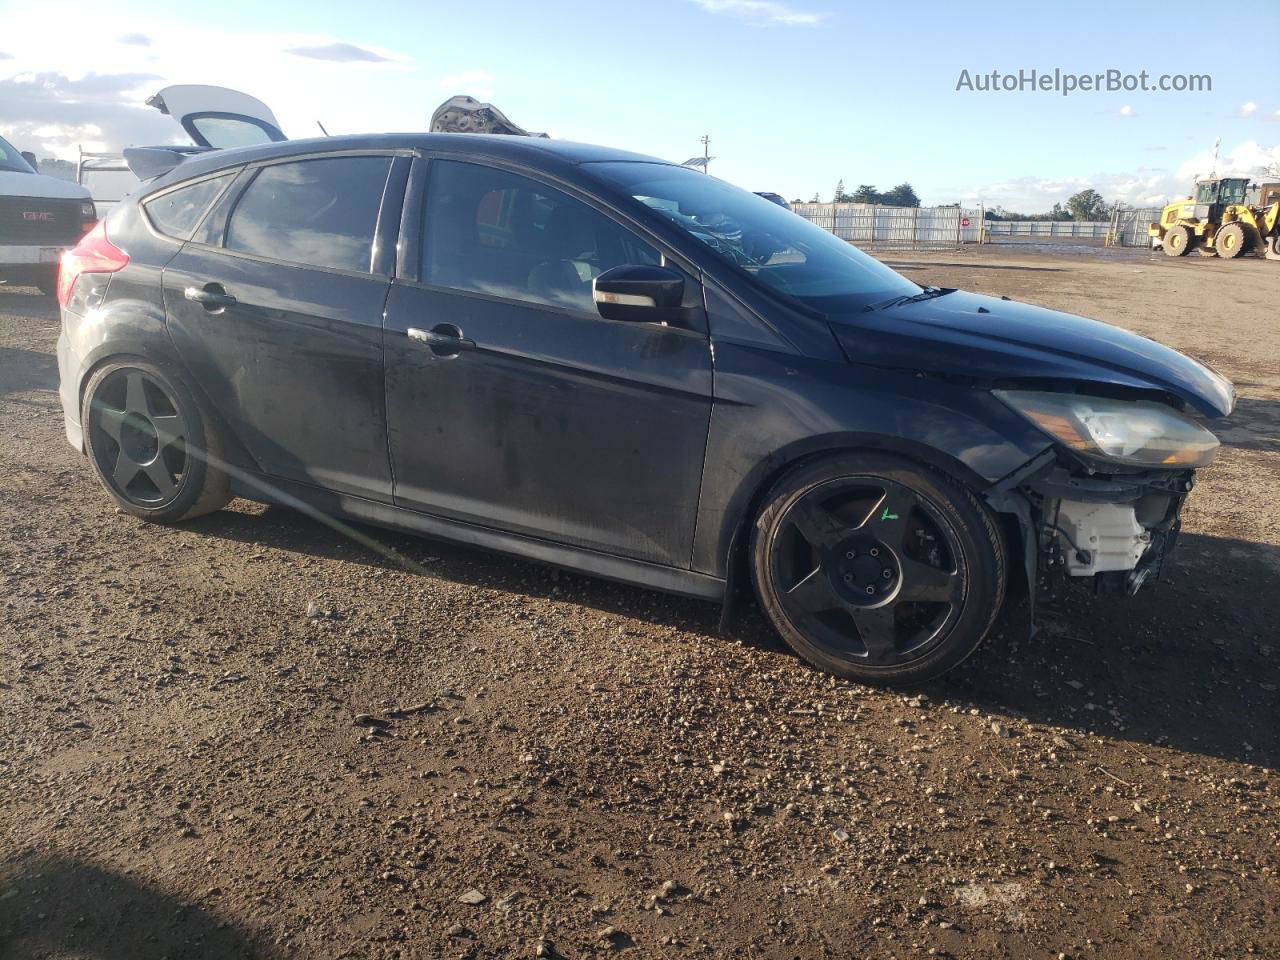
point(1137, 432)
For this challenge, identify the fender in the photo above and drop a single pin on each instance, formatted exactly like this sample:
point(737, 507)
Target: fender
point(817, 406)
point(132, 324)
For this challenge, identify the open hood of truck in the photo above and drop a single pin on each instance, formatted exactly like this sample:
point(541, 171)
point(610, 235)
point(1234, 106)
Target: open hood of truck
point(218, 117)
point(994, 340)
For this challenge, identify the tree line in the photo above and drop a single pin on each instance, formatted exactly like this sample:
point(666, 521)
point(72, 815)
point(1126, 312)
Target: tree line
point(1086, 205)
point(903, 195)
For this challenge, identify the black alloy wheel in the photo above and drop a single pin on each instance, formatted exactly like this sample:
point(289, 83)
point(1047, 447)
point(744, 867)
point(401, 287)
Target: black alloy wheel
point(150, 443)
point(140, 438)
point(891, 573)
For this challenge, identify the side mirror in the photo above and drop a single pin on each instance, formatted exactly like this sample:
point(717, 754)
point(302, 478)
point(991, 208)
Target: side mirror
point(30, 157)
point(639, 293)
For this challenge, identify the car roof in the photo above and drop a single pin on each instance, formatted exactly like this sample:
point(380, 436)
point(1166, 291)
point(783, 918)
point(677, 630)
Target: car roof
point(539, 151)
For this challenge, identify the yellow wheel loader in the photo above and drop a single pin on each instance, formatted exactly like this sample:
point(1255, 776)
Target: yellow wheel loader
point(1219, 221)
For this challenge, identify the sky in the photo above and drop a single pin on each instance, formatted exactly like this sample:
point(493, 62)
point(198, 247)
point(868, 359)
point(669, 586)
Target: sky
point(795, 94)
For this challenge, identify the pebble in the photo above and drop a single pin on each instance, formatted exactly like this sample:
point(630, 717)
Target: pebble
point(473, 898)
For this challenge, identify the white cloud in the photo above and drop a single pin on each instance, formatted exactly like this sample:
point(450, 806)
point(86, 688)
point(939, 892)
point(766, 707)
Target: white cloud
point(43, 86)
point(1272, 116)
point(1248, 109)
point(1249, 159)
point(1127, 111)
point(339, 52)
point(53, 113)
point(1142, 187)
point(763, 11)
point(474, 83)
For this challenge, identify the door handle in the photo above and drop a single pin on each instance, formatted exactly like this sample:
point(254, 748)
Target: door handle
point(444, 339)
point(211, 296)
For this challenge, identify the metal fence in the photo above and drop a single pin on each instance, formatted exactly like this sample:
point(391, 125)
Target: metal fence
point(1036, 230)
point(1129, 227)
point(944, 228)
point(918, 228)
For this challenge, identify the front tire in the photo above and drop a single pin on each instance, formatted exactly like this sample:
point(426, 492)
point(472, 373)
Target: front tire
point(1177, 241)
point(1232, 240)
point(877, 569)
point(151, 444)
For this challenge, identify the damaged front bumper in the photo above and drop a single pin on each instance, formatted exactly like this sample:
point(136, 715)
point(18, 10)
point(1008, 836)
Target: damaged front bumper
point(1116, 527)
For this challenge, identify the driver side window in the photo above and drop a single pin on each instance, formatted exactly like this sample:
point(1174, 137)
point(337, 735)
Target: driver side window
point(499, 233)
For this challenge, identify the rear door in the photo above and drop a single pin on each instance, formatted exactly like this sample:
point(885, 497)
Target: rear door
point(511, 402)
point(276, 304)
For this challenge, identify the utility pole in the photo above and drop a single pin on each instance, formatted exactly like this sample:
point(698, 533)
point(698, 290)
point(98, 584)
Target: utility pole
point(706, 151)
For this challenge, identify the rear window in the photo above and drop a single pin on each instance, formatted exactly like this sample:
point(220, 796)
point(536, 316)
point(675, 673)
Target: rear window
point(176, 213)
point(320, 213)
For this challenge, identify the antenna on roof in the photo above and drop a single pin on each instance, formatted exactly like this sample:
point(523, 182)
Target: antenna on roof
point(322, 129)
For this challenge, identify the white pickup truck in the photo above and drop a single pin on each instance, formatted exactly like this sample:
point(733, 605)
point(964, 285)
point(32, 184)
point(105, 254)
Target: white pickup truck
point(39, 218)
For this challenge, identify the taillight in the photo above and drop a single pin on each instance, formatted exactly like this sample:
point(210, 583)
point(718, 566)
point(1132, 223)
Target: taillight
point(88, 216)
point(93, 254)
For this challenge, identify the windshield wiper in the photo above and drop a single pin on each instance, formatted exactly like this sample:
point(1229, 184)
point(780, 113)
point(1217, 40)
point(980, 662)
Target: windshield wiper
point(928, 293)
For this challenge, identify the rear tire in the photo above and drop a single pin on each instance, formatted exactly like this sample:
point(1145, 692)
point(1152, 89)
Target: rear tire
point(1232, 240)
point(1177, 241)
point(151, 444)
point(877, 569)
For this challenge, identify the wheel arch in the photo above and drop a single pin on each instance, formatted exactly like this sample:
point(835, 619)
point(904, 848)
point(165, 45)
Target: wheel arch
point(756, 486)
point(145, 348)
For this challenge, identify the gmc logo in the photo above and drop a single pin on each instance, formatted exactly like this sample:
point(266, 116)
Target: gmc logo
point(40, 215)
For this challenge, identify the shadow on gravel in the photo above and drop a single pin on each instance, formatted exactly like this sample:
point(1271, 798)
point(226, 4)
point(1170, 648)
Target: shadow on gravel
point(1191, 663)
point(970, 265)
point(61, 908)
point(27, 302)
point(22, 370)
point(285, 529)
point(1253, 425)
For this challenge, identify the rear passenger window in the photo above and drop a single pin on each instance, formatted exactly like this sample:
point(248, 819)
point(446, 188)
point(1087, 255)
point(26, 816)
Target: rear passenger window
point(177, 212)
point(499, 233)
point(321, 213)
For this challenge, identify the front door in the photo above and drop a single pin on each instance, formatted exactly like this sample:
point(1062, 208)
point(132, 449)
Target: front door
point(279, 317)
point(511, 403)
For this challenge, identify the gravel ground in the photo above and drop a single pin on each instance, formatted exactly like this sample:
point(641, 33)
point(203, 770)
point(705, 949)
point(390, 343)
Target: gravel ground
point(250, 736)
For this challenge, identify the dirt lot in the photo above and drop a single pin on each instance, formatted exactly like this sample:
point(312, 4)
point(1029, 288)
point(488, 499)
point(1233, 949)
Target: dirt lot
point(182, 774)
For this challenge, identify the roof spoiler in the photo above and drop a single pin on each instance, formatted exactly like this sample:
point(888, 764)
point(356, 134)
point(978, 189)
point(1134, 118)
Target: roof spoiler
point(150, 162)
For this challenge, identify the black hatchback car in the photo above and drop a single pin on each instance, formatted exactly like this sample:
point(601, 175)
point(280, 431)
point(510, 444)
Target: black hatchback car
point(623, 367)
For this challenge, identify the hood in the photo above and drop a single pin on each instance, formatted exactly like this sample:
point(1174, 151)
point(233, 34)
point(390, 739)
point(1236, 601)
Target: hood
point(967, 334)
point(15, 184)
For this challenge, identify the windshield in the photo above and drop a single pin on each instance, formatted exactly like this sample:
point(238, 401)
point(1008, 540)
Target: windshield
point(778, 248)
point(11, 159)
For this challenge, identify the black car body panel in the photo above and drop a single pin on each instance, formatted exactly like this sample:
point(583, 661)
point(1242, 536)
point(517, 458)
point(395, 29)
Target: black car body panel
point(496, 433)
point(632, 450)
point(990, 339)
